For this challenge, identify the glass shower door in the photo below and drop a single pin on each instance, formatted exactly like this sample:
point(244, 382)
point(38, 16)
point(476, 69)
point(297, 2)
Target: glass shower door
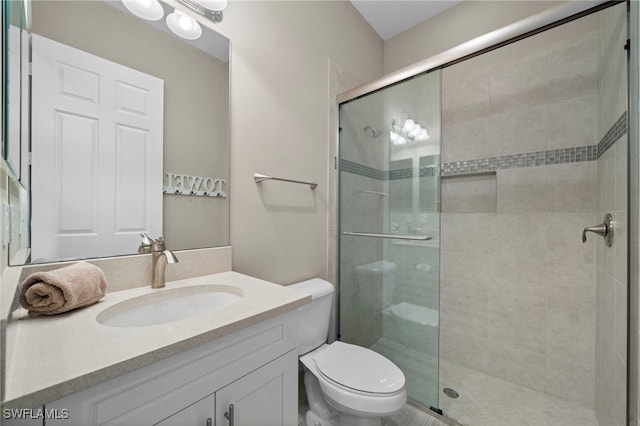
point(390, 228)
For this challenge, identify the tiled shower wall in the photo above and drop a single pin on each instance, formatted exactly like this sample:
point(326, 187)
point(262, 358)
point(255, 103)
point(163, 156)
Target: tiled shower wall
point(518, 286)
point(611, 263)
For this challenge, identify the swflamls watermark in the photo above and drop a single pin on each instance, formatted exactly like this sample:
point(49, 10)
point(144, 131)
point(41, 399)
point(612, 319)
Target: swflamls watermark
point(35, 413)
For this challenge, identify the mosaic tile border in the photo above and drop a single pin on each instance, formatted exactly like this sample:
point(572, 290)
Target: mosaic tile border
point(361, 169)
point(530, 159)
point(615, 132)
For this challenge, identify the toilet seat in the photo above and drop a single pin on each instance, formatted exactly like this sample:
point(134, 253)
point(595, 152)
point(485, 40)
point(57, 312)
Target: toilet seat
point(335, 382)
point(360, 369)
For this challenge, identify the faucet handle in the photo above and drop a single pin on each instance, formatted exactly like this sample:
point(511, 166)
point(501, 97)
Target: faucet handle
point(158, 245)
point(146, 239)
point(145, 244)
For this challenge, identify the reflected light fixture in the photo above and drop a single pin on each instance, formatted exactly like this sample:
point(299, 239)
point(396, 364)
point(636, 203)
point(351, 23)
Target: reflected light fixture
point(396, 139)
point(410, 129)
point(180, 23)
point(183, 25)
point(151, 10)
point(210, 9)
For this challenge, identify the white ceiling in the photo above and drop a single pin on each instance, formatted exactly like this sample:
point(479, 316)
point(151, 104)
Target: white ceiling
point(389, 18)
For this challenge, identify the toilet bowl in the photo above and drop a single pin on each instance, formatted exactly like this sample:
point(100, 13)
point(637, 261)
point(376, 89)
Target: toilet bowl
point(347, 385)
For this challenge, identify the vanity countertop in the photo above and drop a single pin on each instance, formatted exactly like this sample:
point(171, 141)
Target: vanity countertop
point(59, 355)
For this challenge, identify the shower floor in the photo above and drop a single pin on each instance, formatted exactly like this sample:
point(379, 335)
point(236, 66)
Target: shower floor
point(488, 401)
point(483, 400)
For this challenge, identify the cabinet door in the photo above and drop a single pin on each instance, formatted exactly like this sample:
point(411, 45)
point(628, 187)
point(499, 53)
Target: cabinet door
point(200, 413)
point(266, 397)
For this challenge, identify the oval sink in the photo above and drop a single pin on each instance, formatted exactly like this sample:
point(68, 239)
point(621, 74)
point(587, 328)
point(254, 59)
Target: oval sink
point(167, 306)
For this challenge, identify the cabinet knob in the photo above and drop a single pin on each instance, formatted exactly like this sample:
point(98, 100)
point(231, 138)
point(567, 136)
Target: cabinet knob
point(229, 414)
point(209, 423)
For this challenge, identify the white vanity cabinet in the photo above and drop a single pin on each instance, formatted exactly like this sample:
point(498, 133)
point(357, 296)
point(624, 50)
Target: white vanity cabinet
point(262, 398)
point(199, 413)
point(255, 369)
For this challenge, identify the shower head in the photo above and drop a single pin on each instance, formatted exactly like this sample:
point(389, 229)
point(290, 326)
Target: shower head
point(374, 132)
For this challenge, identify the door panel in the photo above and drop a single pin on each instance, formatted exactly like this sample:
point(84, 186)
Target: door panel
point(96, 153)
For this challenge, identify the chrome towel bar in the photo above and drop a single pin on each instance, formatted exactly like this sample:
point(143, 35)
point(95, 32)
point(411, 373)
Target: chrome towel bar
point(258, 177)
point(393, 236)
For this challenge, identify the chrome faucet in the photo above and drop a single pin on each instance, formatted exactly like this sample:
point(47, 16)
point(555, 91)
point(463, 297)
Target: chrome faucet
point(160, 257)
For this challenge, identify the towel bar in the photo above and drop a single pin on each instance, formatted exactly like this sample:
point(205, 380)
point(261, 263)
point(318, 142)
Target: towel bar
point(260, 177)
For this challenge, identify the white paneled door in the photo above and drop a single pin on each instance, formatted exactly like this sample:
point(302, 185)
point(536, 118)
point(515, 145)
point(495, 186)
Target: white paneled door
point(97, 135)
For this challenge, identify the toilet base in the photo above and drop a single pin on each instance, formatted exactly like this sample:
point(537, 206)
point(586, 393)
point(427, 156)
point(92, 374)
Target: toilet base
point(321, 413)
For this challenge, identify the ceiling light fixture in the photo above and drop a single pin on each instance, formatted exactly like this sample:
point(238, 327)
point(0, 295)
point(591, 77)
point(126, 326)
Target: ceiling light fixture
point(180, 23)
point(151, 10)
point(410, 129)
point(184, 25)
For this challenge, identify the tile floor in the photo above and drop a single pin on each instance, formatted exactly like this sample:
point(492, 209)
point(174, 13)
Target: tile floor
point(483, 400)
point(410, 415)
point(488, 401)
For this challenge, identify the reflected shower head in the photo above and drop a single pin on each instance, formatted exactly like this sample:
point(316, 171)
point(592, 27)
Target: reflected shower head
point(374, 132)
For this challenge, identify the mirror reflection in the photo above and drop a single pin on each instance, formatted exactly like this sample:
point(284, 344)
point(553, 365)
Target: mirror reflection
point(123, 110)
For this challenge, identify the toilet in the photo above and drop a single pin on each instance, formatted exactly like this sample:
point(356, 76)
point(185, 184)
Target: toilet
point(347, 385)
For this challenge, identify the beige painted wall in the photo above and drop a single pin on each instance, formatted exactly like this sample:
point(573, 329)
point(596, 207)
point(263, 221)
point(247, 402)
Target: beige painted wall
point(196, 113)
point(454, 26)
point(282, 54)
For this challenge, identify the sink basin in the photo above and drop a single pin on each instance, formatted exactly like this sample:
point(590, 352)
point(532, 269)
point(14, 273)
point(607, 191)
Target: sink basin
point(165, 306)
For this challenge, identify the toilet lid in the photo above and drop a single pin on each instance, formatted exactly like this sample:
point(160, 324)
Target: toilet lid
point(359, 368)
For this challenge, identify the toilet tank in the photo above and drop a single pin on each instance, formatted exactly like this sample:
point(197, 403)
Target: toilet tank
point(314, 318)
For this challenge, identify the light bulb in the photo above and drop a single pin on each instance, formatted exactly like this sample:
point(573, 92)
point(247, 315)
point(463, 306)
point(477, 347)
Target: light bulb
point(415, 131)
point(150, 10)
point(396, 139)
point(216, 5)
point(408, 125)
point(185, 22)
point(423, 135)
point(184, 25)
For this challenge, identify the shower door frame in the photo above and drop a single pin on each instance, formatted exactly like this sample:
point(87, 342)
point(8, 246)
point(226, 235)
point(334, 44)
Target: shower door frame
point(527, 27)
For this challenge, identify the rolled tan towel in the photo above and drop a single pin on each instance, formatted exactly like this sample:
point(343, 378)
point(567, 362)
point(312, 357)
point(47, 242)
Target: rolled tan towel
point(54, 292)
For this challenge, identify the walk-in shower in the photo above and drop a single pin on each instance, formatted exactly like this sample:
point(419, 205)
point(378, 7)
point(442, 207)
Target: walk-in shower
point(461, 256)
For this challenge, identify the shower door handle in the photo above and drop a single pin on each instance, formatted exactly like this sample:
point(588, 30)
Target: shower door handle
point(605, 230)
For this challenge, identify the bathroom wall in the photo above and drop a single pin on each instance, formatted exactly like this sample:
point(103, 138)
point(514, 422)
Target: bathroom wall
point(465, 21)
point(611, 263)
point(518, 287)
point(283, 54)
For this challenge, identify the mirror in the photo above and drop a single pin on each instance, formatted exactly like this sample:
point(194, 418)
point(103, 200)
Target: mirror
point(76, 182)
